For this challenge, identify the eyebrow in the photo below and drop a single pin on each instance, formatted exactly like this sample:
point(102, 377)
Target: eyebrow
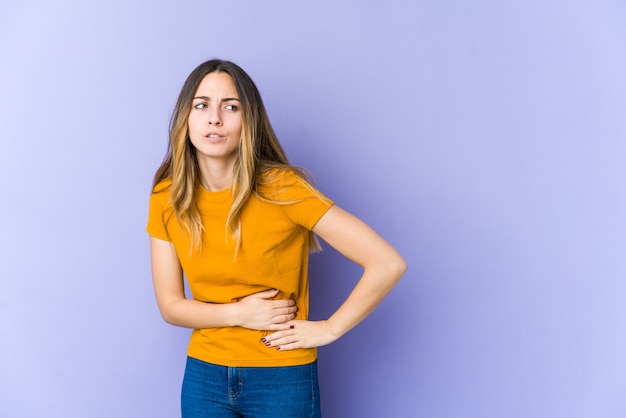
point(226, 99)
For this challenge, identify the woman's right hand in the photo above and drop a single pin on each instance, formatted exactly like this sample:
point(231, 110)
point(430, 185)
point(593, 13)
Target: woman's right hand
point(260, 312)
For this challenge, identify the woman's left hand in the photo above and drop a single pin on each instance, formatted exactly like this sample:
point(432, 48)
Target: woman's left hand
point(382, 268)
point(301, 334)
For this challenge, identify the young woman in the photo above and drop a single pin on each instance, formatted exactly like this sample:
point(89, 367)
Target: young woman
point(231, 215)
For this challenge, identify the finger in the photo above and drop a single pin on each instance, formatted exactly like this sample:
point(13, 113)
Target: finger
point(285, 311)
point(283, 303)
point(279, 333)
point(281, 319)
point(289, 346)
point(279, 342)
point(266, 294)
point(283, 315)
point(286, 328)
point(277, 327)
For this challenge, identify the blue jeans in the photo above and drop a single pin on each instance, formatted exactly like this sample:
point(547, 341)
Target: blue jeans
point(210, 390)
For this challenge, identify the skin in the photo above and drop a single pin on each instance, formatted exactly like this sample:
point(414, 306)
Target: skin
point(215, 111)
point(215, 129)
point(382, 269)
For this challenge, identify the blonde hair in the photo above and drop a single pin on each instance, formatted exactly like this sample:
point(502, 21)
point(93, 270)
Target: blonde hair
point(259, 152)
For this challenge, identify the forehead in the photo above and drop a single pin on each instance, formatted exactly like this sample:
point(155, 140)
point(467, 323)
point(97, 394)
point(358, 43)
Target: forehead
point(217, 85)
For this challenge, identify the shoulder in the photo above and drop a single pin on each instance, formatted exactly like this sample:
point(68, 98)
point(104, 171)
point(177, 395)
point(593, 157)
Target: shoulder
point(161, 193)
point(288, 186)
point(160, 209)
point(162, 187)
point(275, 183)
point(302, 203)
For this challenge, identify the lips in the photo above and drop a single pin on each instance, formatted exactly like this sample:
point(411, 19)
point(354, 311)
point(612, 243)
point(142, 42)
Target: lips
point(214, 137)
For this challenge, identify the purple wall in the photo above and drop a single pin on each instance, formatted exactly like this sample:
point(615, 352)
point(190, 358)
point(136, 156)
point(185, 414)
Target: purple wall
point(485, 140)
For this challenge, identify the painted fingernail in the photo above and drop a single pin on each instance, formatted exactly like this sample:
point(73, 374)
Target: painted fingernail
point(291, 326)
point(278, 348)
point(264, 340)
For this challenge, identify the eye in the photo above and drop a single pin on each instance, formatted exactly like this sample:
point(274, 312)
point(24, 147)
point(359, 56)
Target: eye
point(200, 106)
point(232, 108)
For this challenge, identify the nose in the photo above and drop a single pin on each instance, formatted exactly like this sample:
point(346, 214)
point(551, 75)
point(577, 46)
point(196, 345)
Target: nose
point(214, 117)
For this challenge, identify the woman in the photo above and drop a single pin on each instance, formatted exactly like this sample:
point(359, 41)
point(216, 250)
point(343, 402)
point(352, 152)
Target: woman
point(231, 215)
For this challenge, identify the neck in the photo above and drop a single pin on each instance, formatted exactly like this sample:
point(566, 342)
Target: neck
point(216, 175)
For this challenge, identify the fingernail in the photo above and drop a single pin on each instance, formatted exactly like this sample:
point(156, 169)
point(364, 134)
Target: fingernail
point(291, 326)
point(278, 348)
point(264, 340)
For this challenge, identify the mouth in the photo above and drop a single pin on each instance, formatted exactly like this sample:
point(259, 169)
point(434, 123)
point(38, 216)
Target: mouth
point(214, 137)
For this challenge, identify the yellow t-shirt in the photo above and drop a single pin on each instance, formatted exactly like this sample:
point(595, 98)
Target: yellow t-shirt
point(274, 254)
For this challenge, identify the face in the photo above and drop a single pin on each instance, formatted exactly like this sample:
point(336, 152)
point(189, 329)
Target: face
point(215, 120)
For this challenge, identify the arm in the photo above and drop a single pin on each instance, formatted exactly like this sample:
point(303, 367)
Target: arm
point(383, 268)
point(256, 311)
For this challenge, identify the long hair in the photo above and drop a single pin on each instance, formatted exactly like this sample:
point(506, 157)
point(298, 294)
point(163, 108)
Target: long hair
point(259, 151)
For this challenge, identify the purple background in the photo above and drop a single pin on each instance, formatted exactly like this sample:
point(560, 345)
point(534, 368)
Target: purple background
point(485, 140)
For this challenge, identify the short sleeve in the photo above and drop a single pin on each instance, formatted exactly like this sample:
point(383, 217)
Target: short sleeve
point(158, 211)
point(303, 204)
